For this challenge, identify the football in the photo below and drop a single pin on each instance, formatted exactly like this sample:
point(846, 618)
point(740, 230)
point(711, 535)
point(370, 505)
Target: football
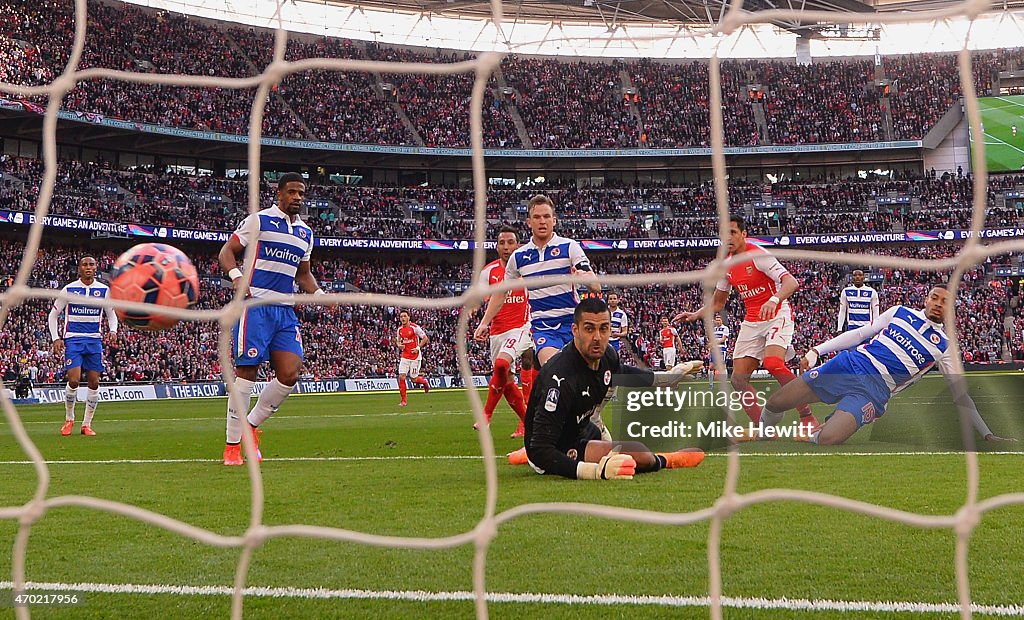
point(154, 273)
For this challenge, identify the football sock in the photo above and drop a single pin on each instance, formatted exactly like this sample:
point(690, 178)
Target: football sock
point(527, 377)
point(496, 387)
point(777, 367)
point(515, 400)
point(92, 398)
point(401, 388)
point(420, 381)
point(749, 400)
point(270, 399)
point(70, 395)
point(238, 405)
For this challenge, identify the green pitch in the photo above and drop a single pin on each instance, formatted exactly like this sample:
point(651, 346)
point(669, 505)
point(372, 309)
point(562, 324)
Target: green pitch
point(1004, 152)
point(361, 463)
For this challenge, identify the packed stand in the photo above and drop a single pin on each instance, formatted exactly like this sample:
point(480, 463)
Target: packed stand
point(674, 99)
point(356, 341)
point(564, 104)
point(558, 99)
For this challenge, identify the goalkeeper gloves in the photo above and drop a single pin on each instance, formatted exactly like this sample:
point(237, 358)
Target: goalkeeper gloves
point(613, 466)
point(675, 374)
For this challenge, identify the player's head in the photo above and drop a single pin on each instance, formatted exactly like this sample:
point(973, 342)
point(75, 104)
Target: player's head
point(87, 269)
point(858, 277)
point(291, 191)
point(737, 234)
point(403, 317)
point(508, 241)
point(591, 328)
point(935, 303)
point(664, 321)
point(718, 320)
point(540, 217)
point(613, 301)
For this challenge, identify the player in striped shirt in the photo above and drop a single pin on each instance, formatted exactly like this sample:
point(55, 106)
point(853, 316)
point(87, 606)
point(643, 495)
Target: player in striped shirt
point(858, 304)
point(620, 322)
point(547, 254)
point(898, 349)
point(722, 333)
point(268, 332)
point(81, 347)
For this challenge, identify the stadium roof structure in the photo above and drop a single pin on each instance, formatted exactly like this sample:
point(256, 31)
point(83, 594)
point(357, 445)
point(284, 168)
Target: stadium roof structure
point(613, 13)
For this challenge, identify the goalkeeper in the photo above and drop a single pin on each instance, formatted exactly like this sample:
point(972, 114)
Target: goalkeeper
point(560, 438)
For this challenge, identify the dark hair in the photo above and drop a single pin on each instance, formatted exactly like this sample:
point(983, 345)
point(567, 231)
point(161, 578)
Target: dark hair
point(590, 305)
point(740, 222)
point(505, 228)
point(289, 177)
point(539, 199)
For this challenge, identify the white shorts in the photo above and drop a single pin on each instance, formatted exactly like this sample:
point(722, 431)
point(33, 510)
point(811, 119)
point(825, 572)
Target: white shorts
point(669, 355)
point(410, 367)
point(513, 343)
point(755, 336)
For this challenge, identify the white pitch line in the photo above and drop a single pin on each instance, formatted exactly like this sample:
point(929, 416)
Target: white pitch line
point(395, 414)
point(1001, 141)
point(424, 596)
point(471, 457)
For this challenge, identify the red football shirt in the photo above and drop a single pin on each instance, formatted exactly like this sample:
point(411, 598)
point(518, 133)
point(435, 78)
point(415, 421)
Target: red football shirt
point(668, 337)
point(516, 311)
point(410, 336)
point(756, 280)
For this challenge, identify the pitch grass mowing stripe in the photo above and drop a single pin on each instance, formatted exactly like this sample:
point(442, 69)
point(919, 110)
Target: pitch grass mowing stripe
point(472, 457)
point(528, 597)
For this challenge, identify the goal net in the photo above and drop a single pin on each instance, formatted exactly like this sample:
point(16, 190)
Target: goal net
point(962, 523)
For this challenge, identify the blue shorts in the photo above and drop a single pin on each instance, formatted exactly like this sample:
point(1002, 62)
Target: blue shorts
point(84, 352)
point(552, 333)
point(849, 382)
point(264, 329)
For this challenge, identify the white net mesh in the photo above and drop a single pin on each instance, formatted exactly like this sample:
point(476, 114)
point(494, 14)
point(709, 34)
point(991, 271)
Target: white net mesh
point(962, 523)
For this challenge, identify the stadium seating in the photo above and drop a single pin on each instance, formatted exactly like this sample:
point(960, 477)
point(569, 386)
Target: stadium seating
point(357, 341)
point(580, 104)
point(208, 203)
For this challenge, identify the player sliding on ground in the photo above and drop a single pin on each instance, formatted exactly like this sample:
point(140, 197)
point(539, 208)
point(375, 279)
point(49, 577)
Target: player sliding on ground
point(904, 345)
point(560, 437)
point(767, 329)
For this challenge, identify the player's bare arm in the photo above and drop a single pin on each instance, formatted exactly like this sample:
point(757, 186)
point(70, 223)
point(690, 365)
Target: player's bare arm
point(228, 259)
point(771, 307)
point(717, 304)
point(493, 307)
point(306, 280)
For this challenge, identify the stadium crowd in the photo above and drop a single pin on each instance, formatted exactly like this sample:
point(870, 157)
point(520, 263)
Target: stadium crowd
point(579, 104)
point(94, 190)
point(356, 341)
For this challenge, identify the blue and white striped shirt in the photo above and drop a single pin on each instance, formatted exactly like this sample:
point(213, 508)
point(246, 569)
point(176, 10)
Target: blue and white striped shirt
point(81, 321)
point(549, 304)
point(903, 346)
point(281, 246)
point(620, 321)
point(857, 307)
point(722, 336)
